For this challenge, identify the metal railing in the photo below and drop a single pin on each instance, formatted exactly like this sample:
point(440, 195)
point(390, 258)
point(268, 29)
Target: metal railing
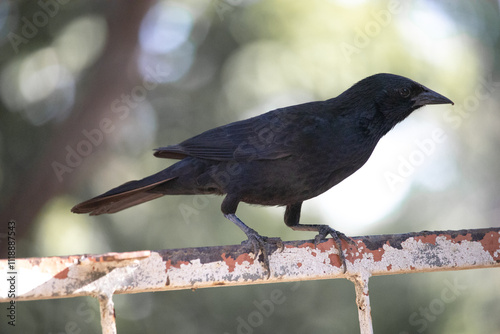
point(102, 276)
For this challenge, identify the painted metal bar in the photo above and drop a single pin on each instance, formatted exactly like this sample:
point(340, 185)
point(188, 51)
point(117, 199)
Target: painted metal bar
point(363, 302)
point(103, 275)
point(108, 319)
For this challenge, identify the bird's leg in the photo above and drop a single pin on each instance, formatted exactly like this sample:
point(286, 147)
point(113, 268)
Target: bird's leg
point(257, 241)
point(292, 217)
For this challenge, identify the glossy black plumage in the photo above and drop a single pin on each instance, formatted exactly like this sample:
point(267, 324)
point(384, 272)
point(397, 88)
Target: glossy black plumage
point(282, 157)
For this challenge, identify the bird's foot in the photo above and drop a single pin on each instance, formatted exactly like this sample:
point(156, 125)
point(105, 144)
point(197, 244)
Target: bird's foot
point(258, 244)
point(337, 236)
point(256, 241)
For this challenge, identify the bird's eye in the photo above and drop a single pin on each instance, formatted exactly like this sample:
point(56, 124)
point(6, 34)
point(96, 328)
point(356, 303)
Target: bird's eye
point(405, 92)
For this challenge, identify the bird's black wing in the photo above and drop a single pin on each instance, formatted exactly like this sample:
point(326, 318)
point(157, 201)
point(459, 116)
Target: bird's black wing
point(266, 137)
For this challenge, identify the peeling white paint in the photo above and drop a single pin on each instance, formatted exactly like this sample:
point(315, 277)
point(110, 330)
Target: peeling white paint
point(132, 272)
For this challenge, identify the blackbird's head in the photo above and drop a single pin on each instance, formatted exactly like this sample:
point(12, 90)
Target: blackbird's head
point(396, 97)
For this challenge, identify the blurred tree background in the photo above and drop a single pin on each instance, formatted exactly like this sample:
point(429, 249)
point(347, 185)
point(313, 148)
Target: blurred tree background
point(89, 88)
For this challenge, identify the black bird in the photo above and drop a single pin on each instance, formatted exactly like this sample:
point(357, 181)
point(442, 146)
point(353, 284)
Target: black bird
point(282, 157)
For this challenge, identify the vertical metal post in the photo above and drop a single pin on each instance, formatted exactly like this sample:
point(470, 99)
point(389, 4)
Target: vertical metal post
point(363, 302)
point(108, 321)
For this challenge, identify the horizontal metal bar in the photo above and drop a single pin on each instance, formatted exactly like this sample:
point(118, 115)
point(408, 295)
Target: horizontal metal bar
point(192, 268)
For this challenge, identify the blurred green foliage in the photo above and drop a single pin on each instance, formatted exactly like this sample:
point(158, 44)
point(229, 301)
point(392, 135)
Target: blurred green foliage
point(165, 71)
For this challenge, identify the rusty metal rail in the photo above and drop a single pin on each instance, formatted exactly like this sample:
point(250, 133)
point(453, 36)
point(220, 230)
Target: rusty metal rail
point(103, 275)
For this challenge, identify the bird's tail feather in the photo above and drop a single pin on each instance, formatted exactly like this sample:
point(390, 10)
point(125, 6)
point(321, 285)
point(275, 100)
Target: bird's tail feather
point(124, 196)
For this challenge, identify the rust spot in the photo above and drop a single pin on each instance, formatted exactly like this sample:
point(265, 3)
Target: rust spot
point(114, 256)
point(323, 246)
point(313, 254)
point(459, 238)
point(377, 254)
point(168, 281)
point(355, 253)
point(327, 245)
point(218, 283)
point(334, 260)
point(231, 263)
point(428, 239)
point(62, 274)
point(168, 264)
point(389, 267)
point(491, 244)
point(299, 264)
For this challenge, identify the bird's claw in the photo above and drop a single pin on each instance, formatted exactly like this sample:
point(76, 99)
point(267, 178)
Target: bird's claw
point(258, 244)
point(337, 237)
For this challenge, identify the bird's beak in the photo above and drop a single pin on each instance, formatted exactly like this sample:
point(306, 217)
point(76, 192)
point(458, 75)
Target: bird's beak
point(430, 97)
